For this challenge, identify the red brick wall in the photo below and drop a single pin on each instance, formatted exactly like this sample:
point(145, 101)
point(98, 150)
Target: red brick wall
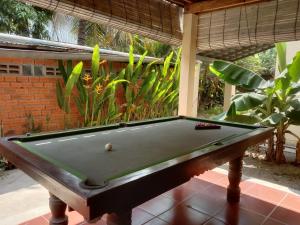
point(21, 95)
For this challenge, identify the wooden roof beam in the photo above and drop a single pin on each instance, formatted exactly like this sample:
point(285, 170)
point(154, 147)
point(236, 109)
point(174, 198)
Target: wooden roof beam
point(214, 5)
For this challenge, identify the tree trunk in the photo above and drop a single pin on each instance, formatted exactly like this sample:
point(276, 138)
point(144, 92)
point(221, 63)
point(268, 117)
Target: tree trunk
point(297, 161)
point(81, 39)
point(280, 141)
point(270, 151)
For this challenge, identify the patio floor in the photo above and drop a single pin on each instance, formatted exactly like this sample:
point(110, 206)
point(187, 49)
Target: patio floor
point(203, 201)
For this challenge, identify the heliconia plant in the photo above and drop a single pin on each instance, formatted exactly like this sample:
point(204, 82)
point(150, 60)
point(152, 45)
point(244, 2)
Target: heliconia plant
point(274, 103)
point(93, 91)
point(150, 90)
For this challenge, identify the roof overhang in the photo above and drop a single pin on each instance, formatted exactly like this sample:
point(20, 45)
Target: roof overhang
point(24, 47)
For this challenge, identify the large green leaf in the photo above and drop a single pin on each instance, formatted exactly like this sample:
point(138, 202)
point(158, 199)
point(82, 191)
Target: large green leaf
point(232, 110)
point(294, 89)
point(294, 116)
point(69, 67)
point(73, 78)
point(62, 70)
point(220, 116)
point(170, 97)
point(147, 84)
point(273, 119)
point(236, 75)
point(281, 55)
point(81, 91)
point(129, 95)
point(247, 119)
point(282, 82)
point(295, 103)
point(294, 68)
point(129, 69)
point(121, 74)
point(247, 101)
point(113, 83)
point(95, 62)
point(167, 64)
point(138, 68)
point(80, 105)
point(60, 95)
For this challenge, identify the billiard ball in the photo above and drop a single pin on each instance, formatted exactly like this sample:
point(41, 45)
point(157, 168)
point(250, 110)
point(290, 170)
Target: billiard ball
point(108, 147)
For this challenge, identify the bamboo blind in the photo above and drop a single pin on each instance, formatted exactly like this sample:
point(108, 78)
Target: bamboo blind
point(156, 19)
point(241, 31)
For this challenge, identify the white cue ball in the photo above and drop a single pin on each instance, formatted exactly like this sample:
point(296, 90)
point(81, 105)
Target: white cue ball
point(108, 147)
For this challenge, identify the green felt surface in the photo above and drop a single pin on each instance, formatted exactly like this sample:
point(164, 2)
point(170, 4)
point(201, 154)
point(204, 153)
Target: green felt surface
point(134, 148)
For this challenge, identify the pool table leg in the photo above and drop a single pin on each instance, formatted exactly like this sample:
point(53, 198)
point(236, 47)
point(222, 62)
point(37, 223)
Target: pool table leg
point(58, 210)
point(119, 218)
point(234, 177)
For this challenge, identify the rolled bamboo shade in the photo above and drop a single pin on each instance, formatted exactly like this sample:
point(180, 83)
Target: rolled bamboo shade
point(241, 31)
point(156, 19)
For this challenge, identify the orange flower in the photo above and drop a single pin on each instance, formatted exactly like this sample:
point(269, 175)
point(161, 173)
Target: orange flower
point(99, 89)
point(87, 80)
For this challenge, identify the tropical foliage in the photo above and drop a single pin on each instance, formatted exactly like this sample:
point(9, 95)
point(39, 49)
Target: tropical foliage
point(275, 103)
point(210, 95)
point(147, 91)
point(23, 19)
point(107, 37)
point(262, 63)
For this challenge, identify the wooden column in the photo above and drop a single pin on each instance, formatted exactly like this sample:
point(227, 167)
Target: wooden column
point(229, 91)
point(188, 76)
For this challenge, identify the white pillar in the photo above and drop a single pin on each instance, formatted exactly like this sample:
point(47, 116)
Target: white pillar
point(229, 91)
point(188, 89)
point(194, 109)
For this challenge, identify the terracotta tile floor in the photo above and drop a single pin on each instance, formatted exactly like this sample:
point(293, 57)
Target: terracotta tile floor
point(202, 200)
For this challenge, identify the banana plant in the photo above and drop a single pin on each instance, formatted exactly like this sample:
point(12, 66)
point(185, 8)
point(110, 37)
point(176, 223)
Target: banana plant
point(274, 103)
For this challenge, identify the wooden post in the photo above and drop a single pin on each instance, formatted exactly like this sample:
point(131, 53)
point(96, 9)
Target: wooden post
point(58, 209)
point(188, 76)
point(229, 91)
point(234, 177)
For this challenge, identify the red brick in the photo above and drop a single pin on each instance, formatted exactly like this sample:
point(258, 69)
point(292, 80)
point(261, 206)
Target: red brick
point(20, 97)
point(27, 84)
point(5, 97)
point(4, 84)
point(22, 91)
point(34, 79)
point(22, 79)
point(38, 84)
point(15, 115)
point(36, 113)
point(50, 79)
point(10, 78)
point(49, 85)
point(16, 85)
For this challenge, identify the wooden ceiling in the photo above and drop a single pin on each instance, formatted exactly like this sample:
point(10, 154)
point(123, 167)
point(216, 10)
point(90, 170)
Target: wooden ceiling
point(203, 6)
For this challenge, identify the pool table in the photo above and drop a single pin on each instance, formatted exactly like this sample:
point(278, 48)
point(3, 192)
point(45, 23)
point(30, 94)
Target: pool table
point(146, 158)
